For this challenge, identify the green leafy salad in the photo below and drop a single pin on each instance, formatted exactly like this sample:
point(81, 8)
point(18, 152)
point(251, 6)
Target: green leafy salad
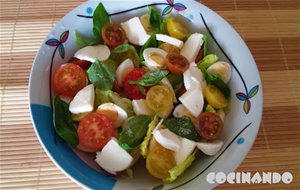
point(145, 88)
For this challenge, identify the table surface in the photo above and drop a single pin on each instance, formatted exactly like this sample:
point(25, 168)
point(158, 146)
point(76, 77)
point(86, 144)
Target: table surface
point(270, 28)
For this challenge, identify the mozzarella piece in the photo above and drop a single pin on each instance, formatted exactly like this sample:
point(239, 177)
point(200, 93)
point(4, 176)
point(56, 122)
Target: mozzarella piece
point(169, 40)
point(180, 111)
point(83, 100)
point(192, 46)
point(186, 149)
point(135, 31)
point(92, 53)
point(167, 83)
point(222, 68)
point(167, 139)
point(113, 158)
point(194, 74)
point(140, 107)
point(115, 112)
point(193, 100)
point(124, 68)
point(211, 147)
point(152, 64)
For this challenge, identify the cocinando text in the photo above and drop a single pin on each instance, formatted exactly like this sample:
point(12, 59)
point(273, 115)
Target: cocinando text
point(248, 178)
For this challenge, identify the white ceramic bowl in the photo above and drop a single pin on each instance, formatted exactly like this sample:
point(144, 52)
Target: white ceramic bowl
point(241, 124)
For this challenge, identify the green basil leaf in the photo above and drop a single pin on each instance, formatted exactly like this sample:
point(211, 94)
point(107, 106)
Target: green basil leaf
point(83, 41)
point(163, 26)
point(154, 19)
point(207, 61)
point(176, 81)
point(216, 80)
point(134, 131)
point(100, 18)
point(63, 123)
point(151, 78)
point(183, 127)
point(125, 51)
point(101, 75)
point(151, 42)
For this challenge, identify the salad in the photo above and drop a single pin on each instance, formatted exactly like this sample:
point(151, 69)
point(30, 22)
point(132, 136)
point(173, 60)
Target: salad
point(145, 88)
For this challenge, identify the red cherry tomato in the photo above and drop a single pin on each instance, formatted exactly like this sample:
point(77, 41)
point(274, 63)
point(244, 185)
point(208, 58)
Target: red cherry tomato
point(132, 90)
point(82, 63)
point(209, 125)
point(200, 56)
point(113, 35)
point(68, 79)
point(95, 130)
point(177, 63)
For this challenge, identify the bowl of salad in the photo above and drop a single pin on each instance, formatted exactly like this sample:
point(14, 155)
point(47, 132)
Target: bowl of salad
point(145, 95)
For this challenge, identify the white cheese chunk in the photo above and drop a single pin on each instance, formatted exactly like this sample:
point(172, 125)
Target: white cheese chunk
point(83, 100)
point(113, 158)
point(194, 74)
point(124, 68)
point(167, 139)
point(187, 147)
point(193, 100)
point(192, 46)
point(92, 53)
point(211, 147)
point(169, 40)
point(135, 31)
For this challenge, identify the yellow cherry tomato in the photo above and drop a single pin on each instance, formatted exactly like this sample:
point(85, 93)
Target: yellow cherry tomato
point(160, 100)
point(215, 97)
point(159, 161)
point(176, 29)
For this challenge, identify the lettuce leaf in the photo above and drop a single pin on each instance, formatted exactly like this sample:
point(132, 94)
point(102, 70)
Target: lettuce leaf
point(125, 51)
point(144, 146)
point(113, 97)
point(180, 169)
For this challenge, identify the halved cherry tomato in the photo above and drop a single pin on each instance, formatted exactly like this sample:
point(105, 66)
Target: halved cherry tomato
point(68, 79)
point(176, 29)
point(200, 56)
point(132, 90)
point(159, 161)
point(113, 35)
point(215, 97)
point(95, 130)
point(209, 125)
point(160, 100)
point(177, 63)
point(82, 63)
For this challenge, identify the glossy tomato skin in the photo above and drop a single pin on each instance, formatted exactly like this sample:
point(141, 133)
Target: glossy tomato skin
point(200, 56)
point(95, 130)
point(113, 34)
point(68, 79)
point(177, 63)
point(81, 63)
point(132, 90)
point(209, 125)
